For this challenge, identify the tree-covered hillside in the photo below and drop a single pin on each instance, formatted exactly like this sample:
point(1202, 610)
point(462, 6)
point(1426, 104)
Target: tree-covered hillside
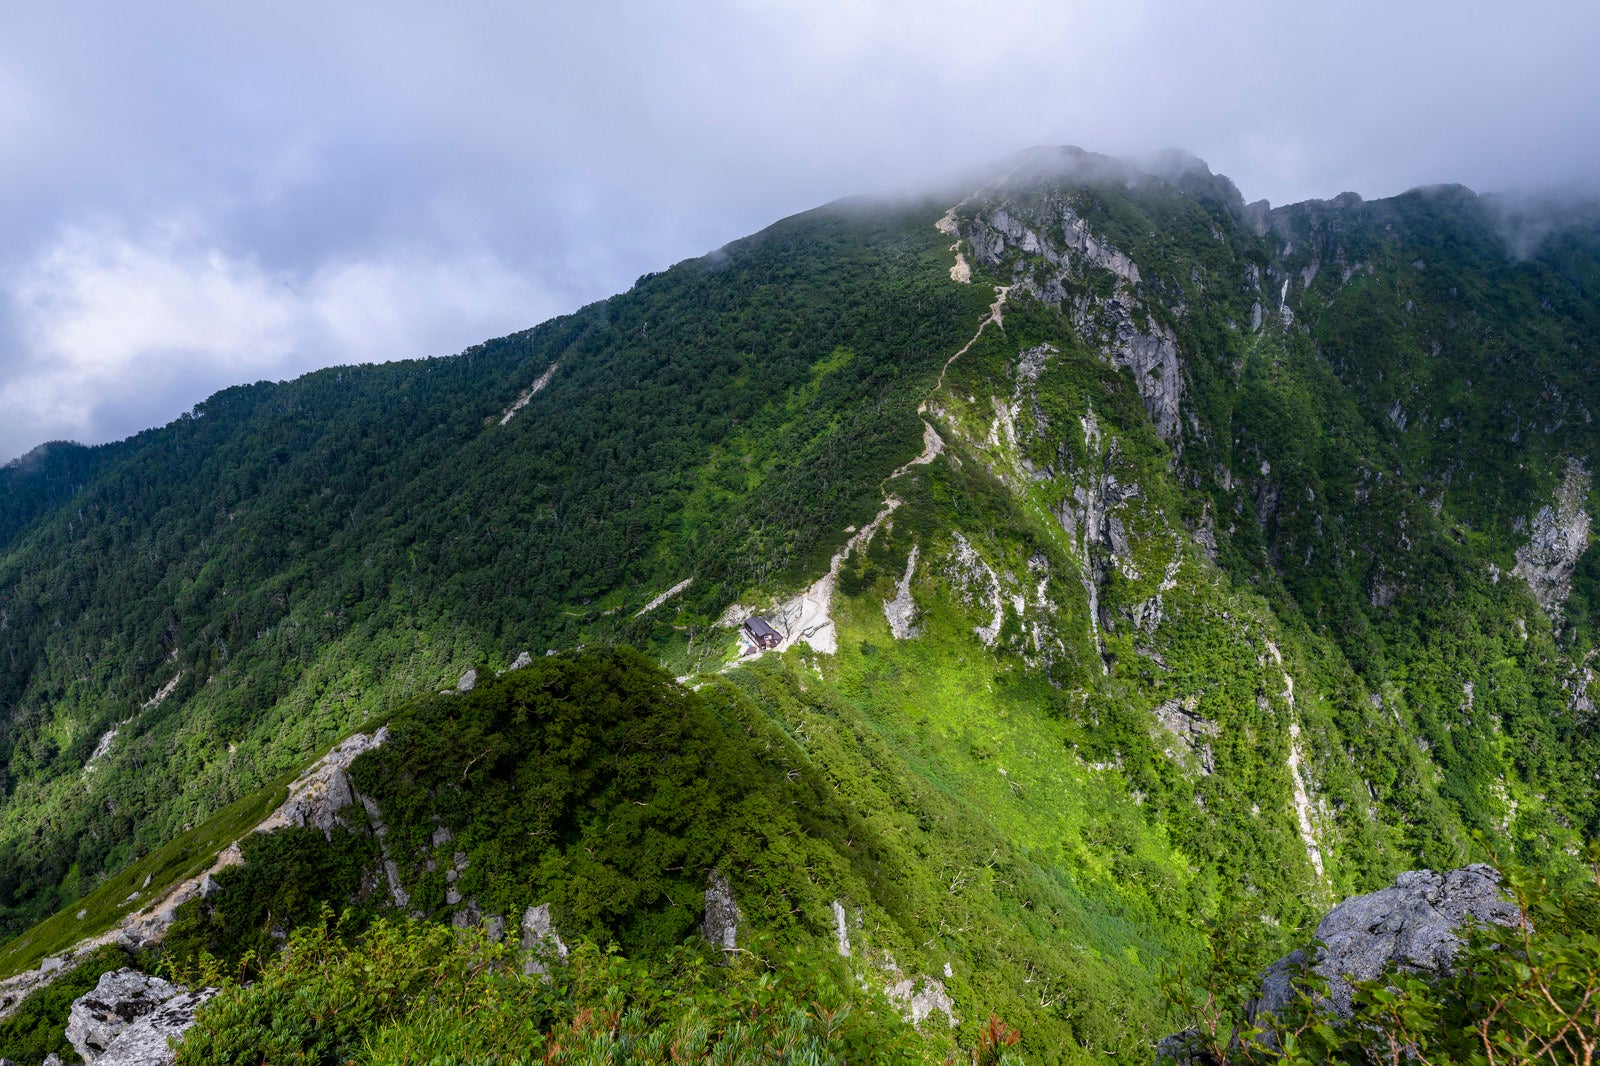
point(233, 590)
point(1151, 566)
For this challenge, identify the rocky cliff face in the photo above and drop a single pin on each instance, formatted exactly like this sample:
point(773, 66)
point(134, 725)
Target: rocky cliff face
point(319, 798)
point(1041, 246)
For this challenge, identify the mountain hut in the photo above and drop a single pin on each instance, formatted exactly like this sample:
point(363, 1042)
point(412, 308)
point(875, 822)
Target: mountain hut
point(761, 633)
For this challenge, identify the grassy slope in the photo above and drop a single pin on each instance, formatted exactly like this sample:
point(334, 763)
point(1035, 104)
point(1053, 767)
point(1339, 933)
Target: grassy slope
point(185, 856)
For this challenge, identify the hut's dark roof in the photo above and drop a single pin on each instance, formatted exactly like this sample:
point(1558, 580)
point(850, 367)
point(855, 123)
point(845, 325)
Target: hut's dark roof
point(759, 627)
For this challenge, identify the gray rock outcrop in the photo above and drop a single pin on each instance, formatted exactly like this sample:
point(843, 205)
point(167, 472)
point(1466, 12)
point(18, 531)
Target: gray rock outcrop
point(1412, 925)
point(1023, 233)
point(721, 924)
point(919, 1002)
point(1183, 1049)
point(841, 930)
point(391, 869)
point(901, 611)
point(98, 1016)
point(130, 1018)
point(1152, 359)
point(151, 1040)
point(540, 940)
point(318, 797)
point(1190, 735)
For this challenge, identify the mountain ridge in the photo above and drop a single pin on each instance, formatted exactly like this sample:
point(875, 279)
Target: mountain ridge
point(1206, 603)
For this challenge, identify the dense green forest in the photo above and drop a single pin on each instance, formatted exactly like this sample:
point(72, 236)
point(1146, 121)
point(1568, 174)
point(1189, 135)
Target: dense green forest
point(1206, 563)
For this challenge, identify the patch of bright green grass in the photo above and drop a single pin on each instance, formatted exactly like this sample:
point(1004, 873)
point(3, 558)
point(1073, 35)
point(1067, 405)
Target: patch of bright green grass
point(184, 857)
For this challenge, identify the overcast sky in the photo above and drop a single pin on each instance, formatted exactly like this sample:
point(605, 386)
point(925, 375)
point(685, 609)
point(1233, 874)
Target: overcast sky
point(197, 195)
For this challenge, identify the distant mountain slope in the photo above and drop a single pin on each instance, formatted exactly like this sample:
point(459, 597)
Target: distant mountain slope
point(1191, 560)
point(44, 480)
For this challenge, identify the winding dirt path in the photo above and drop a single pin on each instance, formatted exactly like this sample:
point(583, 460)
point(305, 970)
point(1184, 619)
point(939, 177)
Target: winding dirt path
point(996, 318)
point(807, 618)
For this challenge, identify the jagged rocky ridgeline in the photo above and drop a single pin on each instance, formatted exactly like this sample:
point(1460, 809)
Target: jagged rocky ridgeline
point(1412, 925)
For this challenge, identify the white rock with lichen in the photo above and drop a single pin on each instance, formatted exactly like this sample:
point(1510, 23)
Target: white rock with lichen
point(540, 940)
point(921, 1000)
point(318, 797)
point(901, 611)
point(1559, 538)
point(976, 584)
point(100, 1016)
point(721, 923)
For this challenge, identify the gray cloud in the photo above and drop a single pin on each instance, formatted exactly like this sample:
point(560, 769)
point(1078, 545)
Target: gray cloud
point(203, 194)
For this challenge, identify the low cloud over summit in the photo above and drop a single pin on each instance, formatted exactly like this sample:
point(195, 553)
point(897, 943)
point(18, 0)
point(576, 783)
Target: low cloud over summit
point(203, 196)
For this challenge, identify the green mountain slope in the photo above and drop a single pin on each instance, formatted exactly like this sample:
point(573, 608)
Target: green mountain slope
point(292, 556)
point(1150, 562)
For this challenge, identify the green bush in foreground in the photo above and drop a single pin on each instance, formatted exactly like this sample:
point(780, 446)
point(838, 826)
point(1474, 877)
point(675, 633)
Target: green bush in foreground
point(414, 992)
